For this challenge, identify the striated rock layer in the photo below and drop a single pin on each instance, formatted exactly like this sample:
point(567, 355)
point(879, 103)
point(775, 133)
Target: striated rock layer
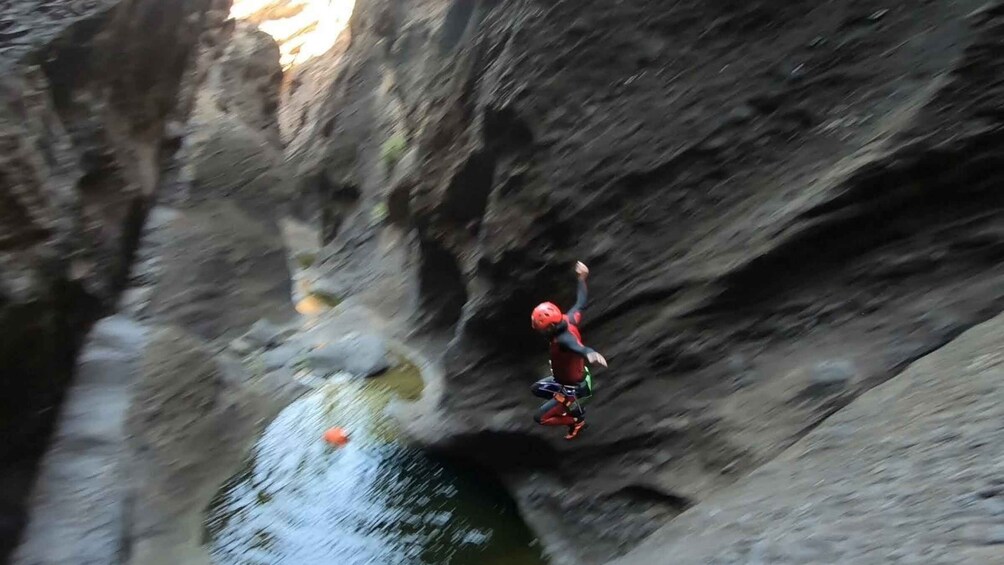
point(783, 204)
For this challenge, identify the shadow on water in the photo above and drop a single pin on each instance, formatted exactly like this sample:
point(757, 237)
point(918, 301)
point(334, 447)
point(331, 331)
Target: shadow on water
point(375, 501)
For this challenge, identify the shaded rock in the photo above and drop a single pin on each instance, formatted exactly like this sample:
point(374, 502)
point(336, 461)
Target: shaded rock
point(74, 193)
point(241, 346)
point(80, 499)
point(209, 264)
point(220, 271)
point(264, 333)
point(281, 356)
point(833, 374)
point(363, 355)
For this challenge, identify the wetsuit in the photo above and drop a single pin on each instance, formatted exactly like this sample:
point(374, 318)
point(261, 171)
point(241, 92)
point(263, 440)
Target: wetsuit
point(568, 367)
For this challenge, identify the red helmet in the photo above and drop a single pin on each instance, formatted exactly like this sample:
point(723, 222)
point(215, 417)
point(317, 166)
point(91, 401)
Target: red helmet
point(545, 315)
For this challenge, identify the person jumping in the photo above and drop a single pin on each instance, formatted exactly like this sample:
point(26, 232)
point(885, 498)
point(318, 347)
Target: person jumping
point(570, 380)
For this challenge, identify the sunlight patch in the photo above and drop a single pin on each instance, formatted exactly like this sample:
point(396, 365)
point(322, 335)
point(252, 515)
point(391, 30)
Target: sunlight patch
point(303, 28)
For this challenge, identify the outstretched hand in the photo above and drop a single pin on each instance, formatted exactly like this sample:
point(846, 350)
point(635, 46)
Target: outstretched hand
point(596, 359)
point(581, 270)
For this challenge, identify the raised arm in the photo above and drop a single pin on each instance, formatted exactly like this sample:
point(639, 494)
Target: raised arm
point(575, 312)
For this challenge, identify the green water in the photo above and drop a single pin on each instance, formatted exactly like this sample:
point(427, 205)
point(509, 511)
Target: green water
point(375, 501)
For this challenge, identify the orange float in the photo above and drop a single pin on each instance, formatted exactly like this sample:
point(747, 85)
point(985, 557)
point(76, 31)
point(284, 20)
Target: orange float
point(336, 436)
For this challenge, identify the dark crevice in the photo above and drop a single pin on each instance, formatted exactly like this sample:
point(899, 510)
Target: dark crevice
point(338, 198)
point(644, 494)
point(126, 535)
point(467, 195)
point(399, 204)
point(41, 360)
point(456, 23)
point(505, 131)
point(499, 453)
point(67, 60)
point(441, 285)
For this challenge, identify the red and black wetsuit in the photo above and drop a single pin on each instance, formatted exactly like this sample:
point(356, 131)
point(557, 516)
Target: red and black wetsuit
point(568, 354)
point(568, 365)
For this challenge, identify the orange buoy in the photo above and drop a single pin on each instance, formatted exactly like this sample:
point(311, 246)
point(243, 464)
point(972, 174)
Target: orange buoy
point(336, 437)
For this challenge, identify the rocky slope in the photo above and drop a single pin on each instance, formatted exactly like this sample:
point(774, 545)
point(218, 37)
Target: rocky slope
point(89, 89)
point(783, 203)
point(908, 473)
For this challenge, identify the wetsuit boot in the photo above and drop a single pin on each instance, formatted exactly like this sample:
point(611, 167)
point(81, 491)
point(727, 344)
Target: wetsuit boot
point(574, 429)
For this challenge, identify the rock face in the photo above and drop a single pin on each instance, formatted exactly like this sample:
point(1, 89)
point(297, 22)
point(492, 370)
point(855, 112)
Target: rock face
point(194, 416)
point(783, 204)
point(213, 269)
point(154, 423)
point(234, 121)
point(149, 431)
point(908, 473)
point(87, 90)
point(213, 260)
point(85, 471)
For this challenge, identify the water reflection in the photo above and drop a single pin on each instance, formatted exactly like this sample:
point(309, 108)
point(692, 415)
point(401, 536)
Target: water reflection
point(377, 500)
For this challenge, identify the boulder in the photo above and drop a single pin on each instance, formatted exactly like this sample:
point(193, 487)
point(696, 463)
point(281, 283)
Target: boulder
point(363, 355)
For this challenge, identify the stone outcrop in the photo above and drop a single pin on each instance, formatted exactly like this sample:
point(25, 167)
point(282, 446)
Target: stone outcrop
point(783, 204)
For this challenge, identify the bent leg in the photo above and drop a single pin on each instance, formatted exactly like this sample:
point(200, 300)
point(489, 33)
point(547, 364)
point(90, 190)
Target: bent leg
point(540, 388)
point(552, 413)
